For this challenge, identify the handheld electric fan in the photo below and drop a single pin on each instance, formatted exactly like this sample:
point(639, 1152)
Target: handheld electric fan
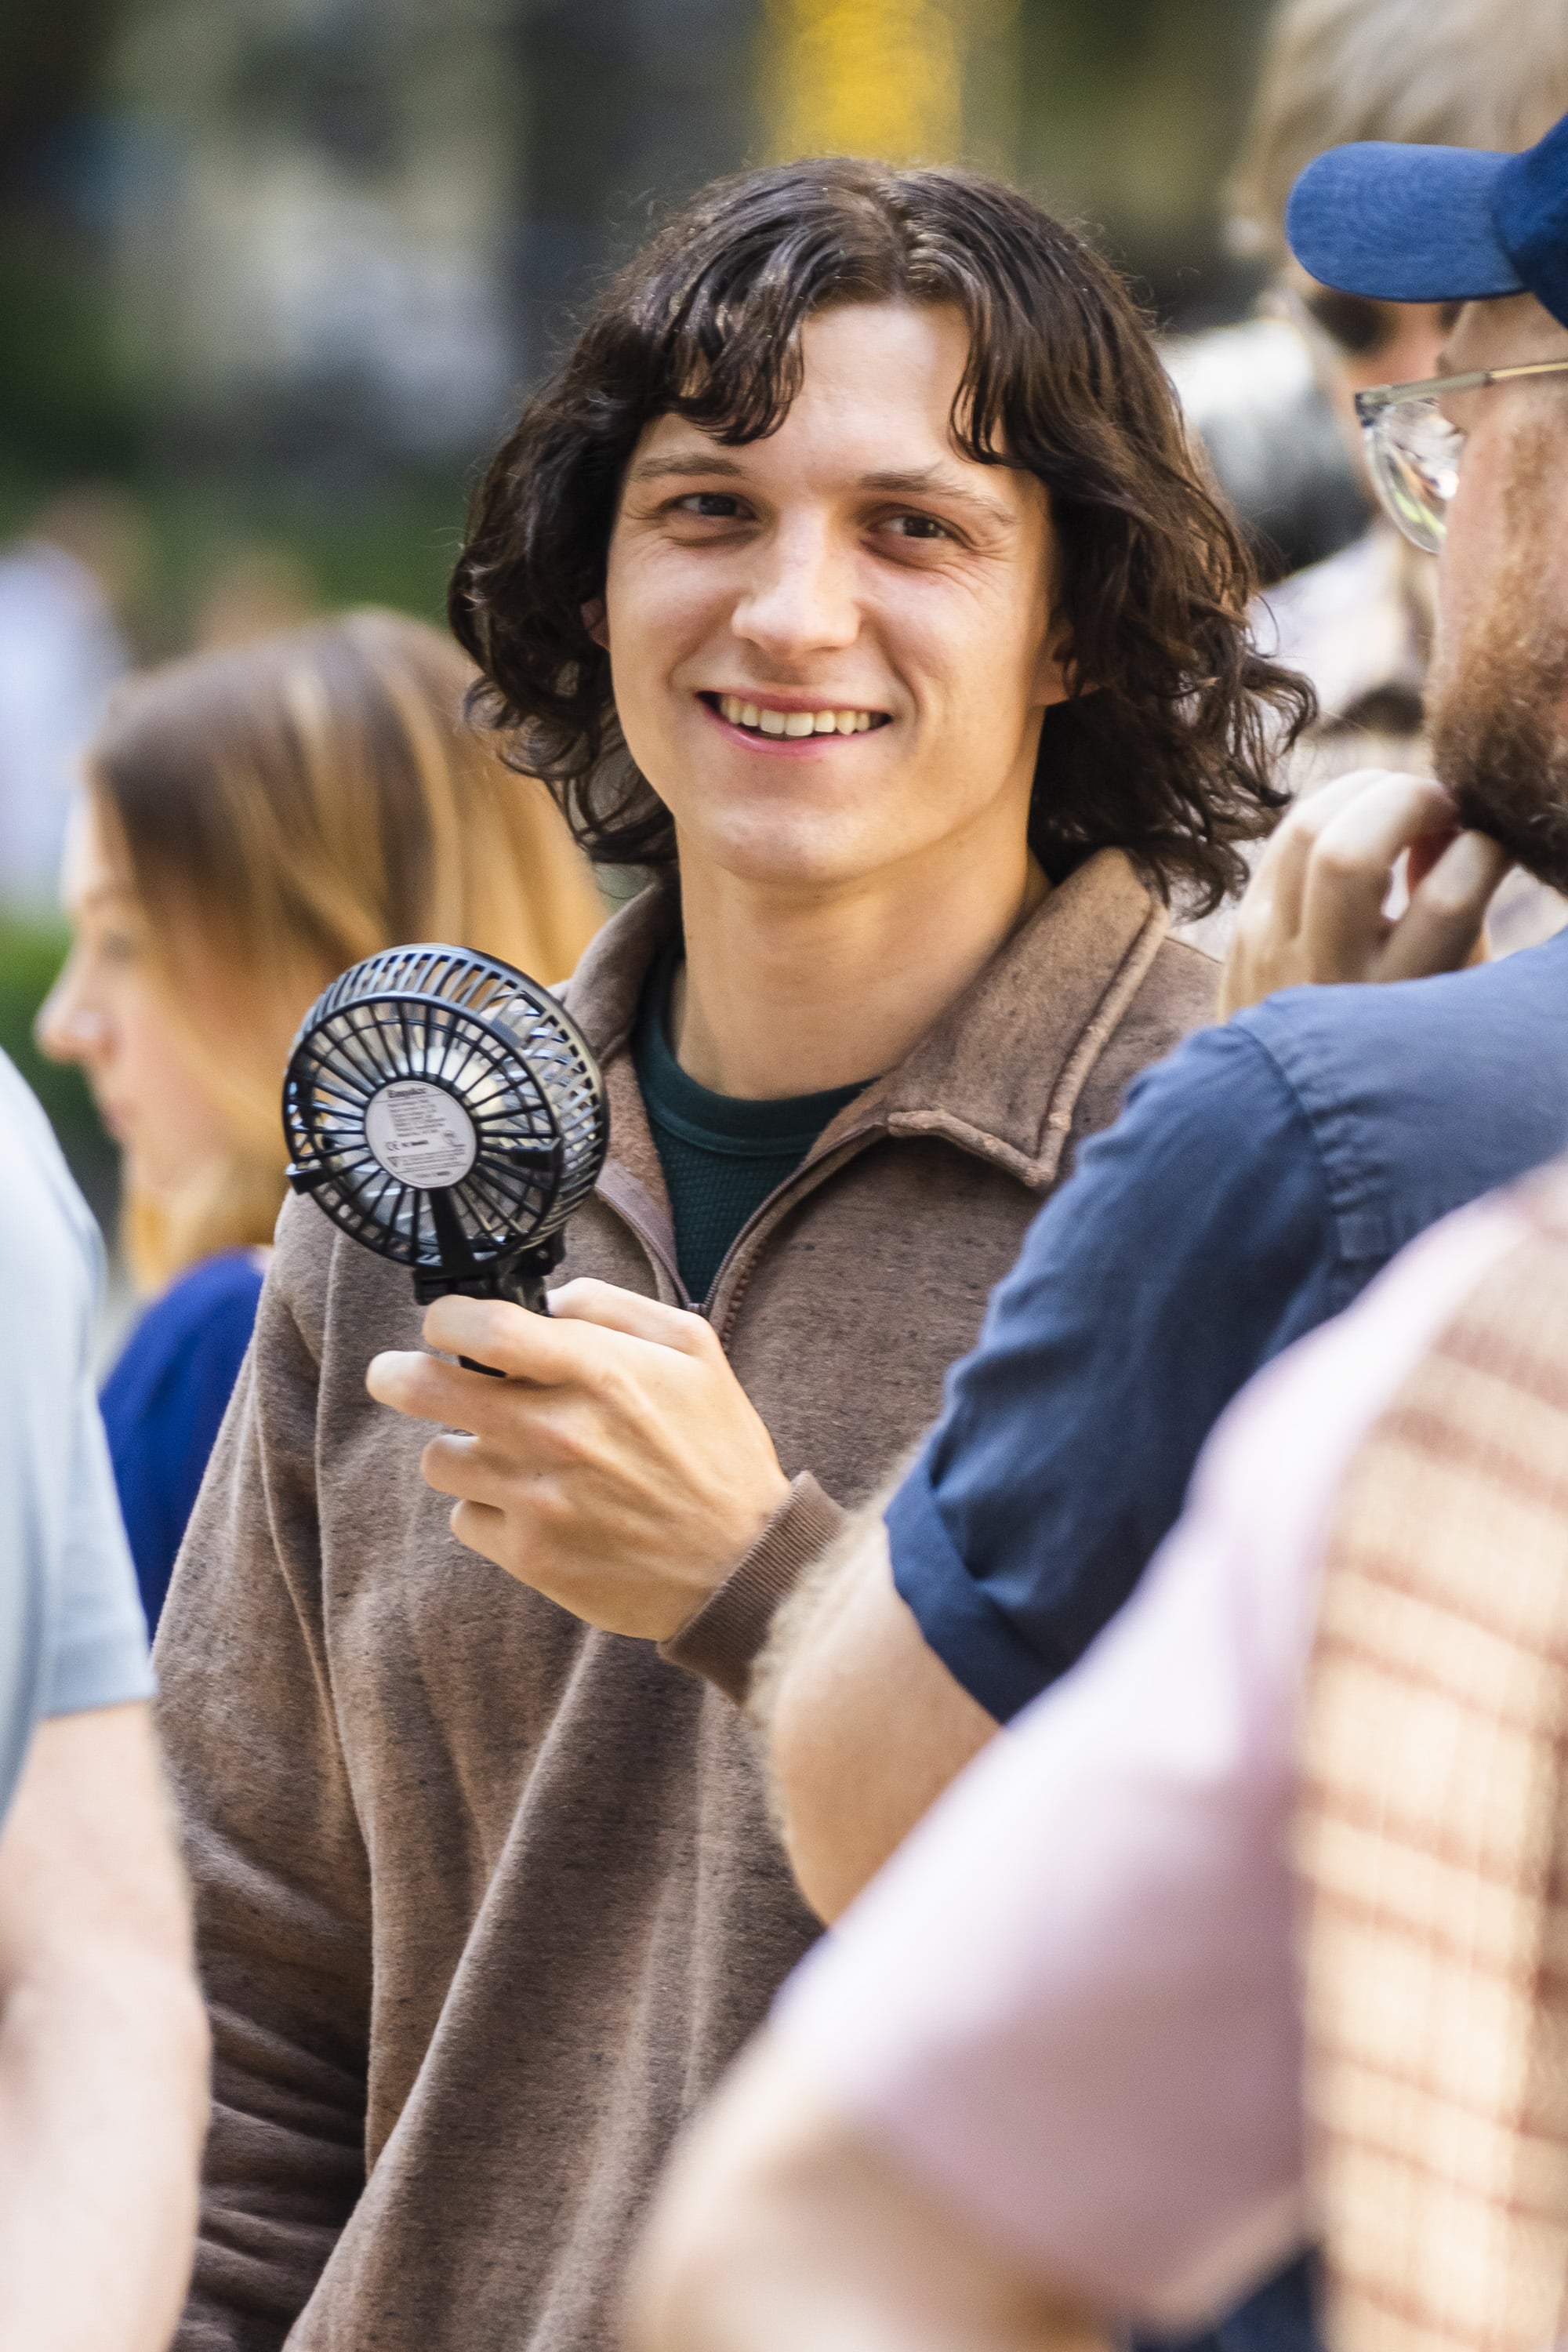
point(445, 1111)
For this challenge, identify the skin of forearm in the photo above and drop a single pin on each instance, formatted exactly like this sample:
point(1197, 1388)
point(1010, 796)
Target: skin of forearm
point(864, 1725)
point(778, 2227)
point(103, 2046)
point(103, 2103)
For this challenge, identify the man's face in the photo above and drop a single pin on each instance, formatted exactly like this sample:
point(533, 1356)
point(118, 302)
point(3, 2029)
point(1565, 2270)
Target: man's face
point(853, 570)
point(1498, 689)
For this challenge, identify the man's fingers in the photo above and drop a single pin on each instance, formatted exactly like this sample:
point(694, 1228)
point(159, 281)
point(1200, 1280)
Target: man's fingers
point(1385, 816)
point(614, 1309)
point(428, 1388)
point(588, 1342)
point(524, 1346)
point(1423, 855)
point(1281, 874)
point(469, 1469)
point(425, 1389)
point(480, 1529)
point(1443, 922)
point(1353, 865)
point(578, 1339)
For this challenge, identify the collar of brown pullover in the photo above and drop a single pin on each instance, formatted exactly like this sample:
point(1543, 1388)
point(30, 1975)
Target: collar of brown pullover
point(999, 1074)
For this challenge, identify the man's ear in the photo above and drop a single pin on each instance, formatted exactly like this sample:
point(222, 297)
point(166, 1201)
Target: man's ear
point(596, 620)
point(1053, 678)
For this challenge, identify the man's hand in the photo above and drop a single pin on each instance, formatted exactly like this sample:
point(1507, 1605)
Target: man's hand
point(619, 1468)
point(1314, 911)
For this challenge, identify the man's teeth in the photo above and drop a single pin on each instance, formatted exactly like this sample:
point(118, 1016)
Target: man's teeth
point(795, 722)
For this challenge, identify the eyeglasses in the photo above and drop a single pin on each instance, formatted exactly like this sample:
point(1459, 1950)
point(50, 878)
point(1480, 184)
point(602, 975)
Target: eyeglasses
point(1413, 451)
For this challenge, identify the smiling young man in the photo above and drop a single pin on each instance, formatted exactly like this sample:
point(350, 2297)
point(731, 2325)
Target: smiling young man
point(793, 582)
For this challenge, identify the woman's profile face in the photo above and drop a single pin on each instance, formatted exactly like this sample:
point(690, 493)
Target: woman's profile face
point(110, 1013)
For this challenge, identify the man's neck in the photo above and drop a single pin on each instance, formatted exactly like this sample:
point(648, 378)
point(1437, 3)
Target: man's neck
point(791, 992)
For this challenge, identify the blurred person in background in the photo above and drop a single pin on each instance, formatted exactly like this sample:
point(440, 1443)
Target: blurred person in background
point(255, 820)
point(1489, 74)
point(103, 2043)
point(256, 591)
point(64, 586)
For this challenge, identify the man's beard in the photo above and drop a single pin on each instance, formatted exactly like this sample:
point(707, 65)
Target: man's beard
point(1498, 715)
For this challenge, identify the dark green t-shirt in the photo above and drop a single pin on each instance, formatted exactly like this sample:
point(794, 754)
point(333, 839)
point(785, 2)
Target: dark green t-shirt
point(721, 1156)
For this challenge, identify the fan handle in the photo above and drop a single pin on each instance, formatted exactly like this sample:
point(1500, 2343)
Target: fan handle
point(520, 1279)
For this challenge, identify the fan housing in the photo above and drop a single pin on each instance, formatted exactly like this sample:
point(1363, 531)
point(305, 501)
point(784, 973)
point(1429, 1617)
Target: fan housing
point(445, 1111)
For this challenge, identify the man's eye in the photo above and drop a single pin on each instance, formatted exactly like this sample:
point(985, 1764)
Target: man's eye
point(711, 506)
point(920, 526)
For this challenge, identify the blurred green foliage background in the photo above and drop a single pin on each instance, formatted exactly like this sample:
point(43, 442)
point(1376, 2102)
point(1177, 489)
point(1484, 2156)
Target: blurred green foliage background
point(1121, 113)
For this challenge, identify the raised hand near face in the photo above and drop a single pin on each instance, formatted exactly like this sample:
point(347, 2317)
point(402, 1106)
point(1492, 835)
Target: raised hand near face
point(1314, 909)
point(619, 1467)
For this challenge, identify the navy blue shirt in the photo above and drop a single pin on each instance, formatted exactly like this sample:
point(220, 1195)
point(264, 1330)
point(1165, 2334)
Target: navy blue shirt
point(163, 1401)
point(1255, 1184)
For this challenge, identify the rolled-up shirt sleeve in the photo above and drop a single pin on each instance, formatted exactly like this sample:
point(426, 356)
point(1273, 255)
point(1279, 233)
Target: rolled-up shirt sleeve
point(97, 1651)
point(1192, 1242)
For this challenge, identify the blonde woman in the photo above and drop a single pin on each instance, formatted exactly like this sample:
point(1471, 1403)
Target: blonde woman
point(256, 819)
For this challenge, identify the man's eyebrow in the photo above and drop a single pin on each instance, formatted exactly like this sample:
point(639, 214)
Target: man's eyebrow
point(701, 461)
point(935, 481)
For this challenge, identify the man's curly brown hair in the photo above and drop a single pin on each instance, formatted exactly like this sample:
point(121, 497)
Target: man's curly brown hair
point(1166, 746)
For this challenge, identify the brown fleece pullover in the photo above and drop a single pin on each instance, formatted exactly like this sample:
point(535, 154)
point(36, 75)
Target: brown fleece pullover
point(489, 1900)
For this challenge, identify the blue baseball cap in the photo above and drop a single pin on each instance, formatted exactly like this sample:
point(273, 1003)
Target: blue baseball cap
point(1436, 224)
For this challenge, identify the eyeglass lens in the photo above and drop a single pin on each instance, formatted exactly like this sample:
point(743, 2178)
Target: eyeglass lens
point(1415, 454)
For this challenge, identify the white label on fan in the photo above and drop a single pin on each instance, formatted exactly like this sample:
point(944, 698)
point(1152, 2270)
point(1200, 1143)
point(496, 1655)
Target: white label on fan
point(420, 1133)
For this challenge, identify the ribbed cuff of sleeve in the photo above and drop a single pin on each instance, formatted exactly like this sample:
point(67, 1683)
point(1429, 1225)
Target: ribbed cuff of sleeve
point(721, 1639)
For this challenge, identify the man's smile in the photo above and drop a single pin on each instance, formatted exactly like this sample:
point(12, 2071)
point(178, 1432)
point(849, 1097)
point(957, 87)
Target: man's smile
point(775, 720)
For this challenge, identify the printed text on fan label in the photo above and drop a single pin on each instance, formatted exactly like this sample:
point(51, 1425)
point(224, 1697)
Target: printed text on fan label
point(420, 1134)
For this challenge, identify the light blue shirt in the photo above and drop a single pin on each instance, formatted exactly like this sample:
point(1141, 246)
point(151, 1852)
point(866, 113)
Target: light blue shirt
point(72, 1635)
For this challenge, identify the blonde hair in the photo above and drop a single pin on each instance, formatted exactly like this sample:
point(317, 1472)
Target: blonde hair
point(283, 808)
point(1440, 73)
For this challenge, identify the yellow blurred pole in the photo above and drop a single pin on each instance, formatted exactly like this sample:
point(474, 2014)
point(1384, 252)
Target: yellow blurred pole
point(881, 78)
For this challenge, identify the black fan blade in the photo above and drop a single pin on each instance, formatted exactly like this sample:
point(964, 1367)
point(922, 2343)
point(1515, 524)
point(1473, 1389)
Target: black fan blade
point(305, 1175)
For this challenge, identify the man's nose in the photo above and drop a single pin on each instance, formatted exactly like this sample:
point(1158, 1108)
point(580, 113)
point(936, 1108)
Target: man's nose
point(800, 598)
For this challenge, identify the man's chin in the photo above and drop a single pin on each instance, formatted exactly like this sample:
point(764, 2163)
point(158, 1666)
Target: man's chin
point(1534, 836)
point(1499, 744)
point(788, 851)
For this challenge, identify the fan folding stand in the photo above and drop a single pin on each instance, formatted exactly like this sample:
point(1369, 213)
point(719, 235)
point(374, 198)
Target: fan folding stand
point(445, 1111)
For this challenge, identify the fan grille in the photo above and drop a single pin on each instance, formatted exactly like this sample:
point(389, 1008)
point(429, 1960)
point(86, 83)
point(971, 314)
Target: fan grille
point(498, 1087)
